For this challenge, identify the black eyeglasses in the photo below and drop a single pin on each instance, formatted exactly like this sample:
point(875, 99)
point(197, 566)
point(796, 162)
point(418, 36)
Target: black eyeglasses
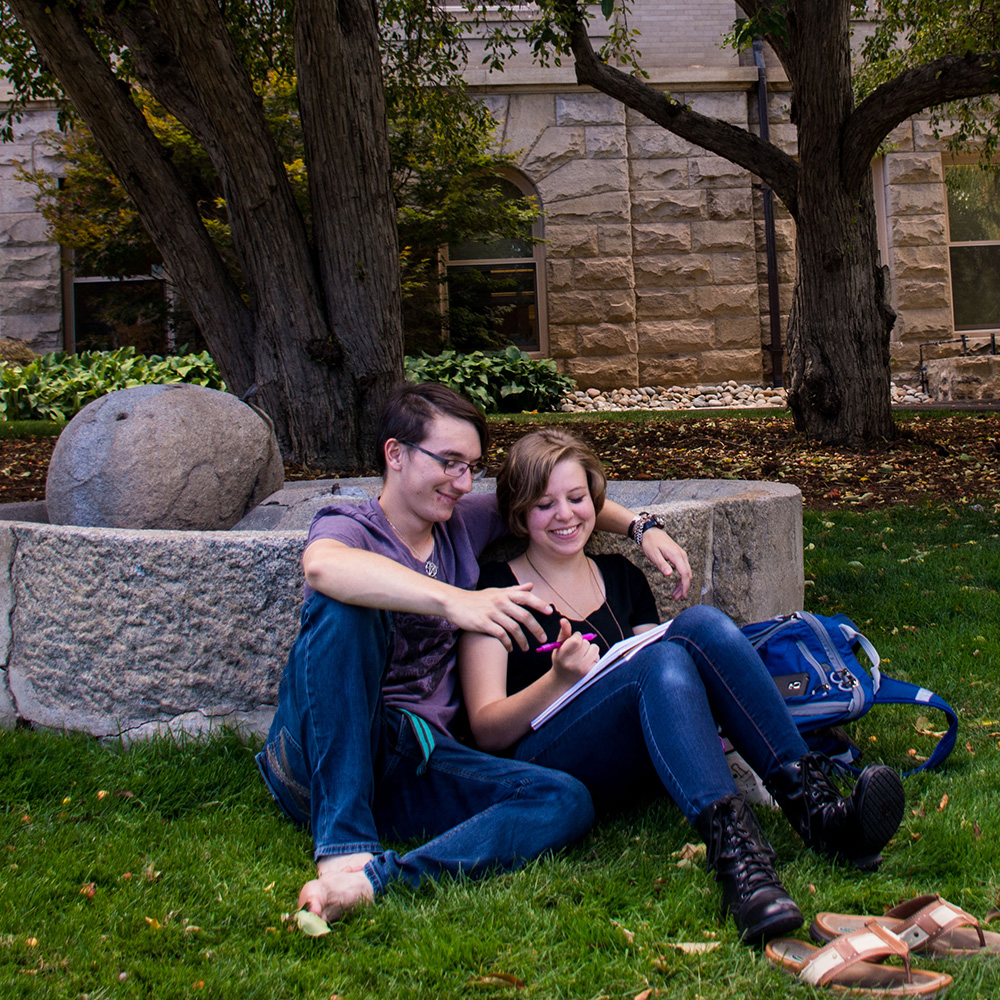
point(452, 467)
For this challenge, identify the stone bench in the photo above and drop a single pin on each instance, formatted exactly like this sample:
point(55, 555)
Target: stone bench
point(127, 633)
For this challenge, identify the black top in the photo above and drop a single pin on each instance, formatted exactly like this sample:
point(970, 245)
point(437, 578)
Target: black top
point(628, 594)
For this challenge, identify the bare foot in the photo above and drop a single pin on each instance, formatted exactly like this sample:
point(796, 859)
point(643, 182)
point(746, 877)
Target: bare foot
point(335, 893)
point(342, 863)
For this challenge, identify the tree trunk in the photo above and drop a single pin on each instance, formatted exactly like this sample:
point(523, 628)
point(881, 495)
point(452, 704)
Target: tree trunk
point(838, 335)
point(320, 345)
point(838, 338)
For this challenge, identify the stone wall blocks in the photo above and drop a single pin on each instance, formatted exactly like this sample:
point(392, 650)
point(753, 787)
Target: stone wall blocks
point(611, 207)
point(615, 240)
point(971, 379)
point(924, 138)
point(729, 106)
point(588, 109)
point(669, 206)
point(682, 370)
point(728, 300)
point(914, 168)
point(527, 117)
point(740, 365)
point(605, 142)
point(649, 141)
point(916, 231)
point(27, 230)
point(729, 204)
point(42, 332)
point(674, 337)
point(30, 264)
point(562, 340)
point(737, 333)
point(677, 269)
point(554, 148)
point(900, 139)
point(658, 175)
point(31, 297)
point(676, 303)
point(559, 275)
point(664, 237)
point(924, 324)
point(922, 294)
point(606, 339)
point(921, 262)
point(611, 372)
point(785, 136)
point(602, 272)
point(564, 239)
point(917, 199)
point(581, 307)
point(714, 171)
point(722, 236)
point(733, 268)
point(578, 179)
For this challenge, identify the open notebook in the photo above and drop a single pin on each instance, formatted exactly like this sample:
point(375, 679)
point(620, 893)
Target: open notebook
point(618, 653)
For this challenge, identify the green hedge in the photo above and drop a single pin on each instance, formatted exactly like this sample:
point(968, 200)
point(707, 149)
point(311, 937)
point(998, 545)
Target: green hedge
point(57, 386)
point(499, 381)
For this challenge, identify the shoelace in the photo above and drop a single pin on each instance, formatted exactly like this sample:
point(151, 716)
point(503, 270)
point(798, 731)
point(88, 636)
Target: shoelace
point(818, 791)
point(755, 868)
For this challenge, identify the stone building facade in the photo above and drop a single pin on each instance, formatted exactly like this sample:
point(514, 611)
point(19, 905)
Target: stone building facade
point(652, 269)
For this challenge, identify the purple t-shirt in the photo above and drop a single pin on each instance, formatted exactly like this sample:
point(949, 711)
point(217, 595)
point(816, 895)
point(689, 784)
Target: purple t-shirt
point(422, 676)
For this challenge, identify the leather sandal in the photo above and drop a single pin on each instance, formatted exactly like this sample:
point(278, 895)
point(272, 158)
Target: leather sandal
point(852, 963)
point(929, 925)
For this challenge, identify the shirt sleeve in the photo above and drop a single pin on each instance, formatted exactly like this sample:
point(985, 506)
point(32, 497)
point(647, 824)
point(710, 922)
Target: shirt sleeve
point(643, 610)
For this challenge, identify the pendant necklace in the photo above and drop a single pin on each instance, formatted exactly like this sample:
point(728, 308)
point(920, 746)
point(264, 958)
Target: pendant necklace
point(597, 587)
point(430, 567)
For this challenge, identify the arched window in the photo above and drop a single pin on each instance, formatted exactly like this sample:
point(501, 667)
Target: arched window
point(496, 290)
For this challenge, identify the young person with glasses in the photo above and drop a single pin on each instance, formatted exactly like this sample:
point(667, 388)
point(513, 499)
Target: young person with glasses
point(361, 746)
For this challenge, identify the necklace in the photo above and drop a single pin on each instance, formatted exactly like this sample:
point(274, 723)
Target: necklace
point(597, 587)
point(430, 567)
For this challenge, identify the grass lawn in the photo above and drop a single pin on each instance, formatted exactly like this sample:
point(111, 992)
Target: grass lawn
point(166, 871)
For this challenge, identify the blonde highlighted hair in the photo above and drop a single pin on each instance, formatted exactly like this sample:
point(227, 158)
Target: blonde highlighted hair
point(524, 476)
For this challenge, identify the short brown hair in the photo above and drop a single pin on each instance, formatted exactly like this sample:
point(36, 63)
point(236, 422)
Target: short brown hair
point(524, 476)
point(411, 408)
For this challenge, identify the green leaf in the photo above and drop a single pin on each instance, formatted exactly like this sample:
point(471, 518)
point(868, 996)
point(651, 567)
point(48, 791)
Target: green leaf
point(310, 924)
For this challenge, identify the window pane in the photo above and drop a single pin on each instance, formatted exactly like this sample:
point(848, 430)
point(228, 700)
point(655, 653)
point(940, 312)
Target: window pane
point(973, 203)
point(519, 246)
point(975, 286)
point(113, 314)
point(491, 306)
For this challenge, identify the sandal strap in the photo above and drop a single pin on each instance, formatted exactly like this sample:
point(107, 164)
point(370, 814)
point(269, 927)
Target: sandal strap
point(871, 942)
point(926, 918)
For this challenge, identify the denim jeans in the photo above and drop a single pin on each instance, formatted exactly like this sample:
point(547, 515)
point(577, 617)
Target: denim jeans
point(339, 760)
point(656, 717)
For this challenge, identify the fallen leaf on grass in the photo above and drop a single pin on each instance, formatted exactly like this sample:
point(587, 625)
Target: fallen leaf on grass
point(976, 831)
point(694, 947)
point(150, 874)
point(89, 890)
point(626, 933)
point(153, 922)
point(497, 979)
point(943, 804)
point(32, 942)
point(689, 854)
point(310, 924)
point(923, 726)
point(646, 994)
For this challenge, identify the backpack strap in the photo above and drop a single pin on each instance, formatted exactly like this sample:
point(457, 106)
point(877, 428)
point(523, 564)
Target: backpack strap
point(895, 692)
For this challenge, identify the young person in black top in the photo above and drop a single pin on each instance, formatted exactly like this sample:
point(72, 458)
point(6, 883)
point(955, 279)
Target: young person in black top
point(653, 720)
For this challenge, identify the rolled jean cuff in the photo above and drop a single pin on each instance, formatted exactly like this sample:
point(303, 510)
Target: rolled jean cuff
point(333, 850)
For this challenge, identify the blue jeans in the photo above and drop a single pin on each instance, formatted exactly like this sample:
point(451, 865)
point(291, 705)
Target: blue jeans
point(338, 759)
point(656, 718)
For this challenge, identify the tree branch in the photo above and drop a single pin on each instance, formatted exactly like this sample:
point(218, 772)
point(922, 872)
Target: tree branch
point(775, 168)
point(752, 8)
point(135, 155)
point(951, 78)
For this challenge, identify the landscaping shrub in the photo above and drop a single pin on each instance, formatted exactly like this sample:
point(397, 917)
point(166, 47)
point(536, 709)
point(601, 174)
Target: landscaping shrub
point(56, 386)
point(499, 381)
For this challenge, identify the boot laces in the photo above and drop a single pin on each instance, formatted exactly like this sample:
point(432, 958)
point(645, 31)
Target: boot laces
point(820, 795)
point(735, 840)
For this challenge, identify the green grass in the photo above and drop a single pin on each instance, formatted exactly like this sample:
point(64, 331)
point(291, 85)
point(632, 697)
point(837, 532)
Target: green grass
point(13, 429)
point(193, 869)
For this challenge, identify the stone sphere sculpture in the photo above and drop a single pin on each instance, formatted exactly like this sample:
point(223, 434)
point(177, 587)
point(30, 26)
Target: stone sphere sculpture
point(163, 456)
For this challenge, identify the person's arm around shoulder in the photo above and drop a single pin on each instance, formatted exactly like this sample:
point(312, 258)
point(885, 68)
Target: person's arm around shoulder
point(370, 580)
point(661, 550)
point(498, 721)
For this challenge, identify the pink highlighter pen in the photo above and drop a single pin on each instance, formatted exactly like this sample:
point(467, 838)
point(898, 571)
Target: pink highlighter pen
point(549, 646)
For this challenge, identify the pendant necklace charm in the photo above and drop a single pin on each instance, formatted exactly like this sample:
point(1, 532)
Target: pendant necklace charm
point(430, 567)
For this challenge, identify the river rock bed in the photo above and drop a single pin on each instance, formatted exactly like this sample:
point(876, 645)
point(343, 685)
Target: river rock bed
point(727, 395)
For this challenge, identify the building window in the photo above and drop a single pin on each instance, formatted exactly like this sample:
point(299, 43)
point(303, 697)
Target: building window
point(496, 290)
point(974, 237)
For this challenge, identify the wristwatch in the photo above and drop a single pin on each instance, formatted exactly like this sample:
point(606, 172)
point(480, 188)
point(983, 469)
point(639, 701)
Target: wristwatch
point(641, 523)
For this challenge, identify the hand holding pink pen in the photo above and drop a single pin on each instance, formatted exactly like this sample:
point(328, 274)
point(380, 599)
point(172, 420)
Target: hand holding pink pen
point(549, 646)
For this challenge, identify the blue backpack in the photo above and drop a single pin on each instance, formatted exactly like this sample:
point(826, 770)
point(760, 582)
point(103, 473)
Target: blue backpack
point(813, 661)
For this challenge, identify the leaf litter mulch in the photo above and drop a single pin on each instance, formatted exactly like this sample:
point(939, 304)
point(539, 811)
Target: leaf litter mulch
point(949, 458)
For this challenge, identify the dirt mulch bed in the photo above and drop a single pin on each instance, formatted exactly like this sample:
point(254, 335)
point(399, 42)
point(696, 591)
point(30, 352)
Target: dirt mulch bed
point(954, 458)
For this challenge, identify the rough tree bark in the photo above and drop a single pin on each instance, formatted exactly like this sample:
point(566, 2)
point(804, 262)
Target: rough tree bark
point(838, 328)
point(315, 330)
